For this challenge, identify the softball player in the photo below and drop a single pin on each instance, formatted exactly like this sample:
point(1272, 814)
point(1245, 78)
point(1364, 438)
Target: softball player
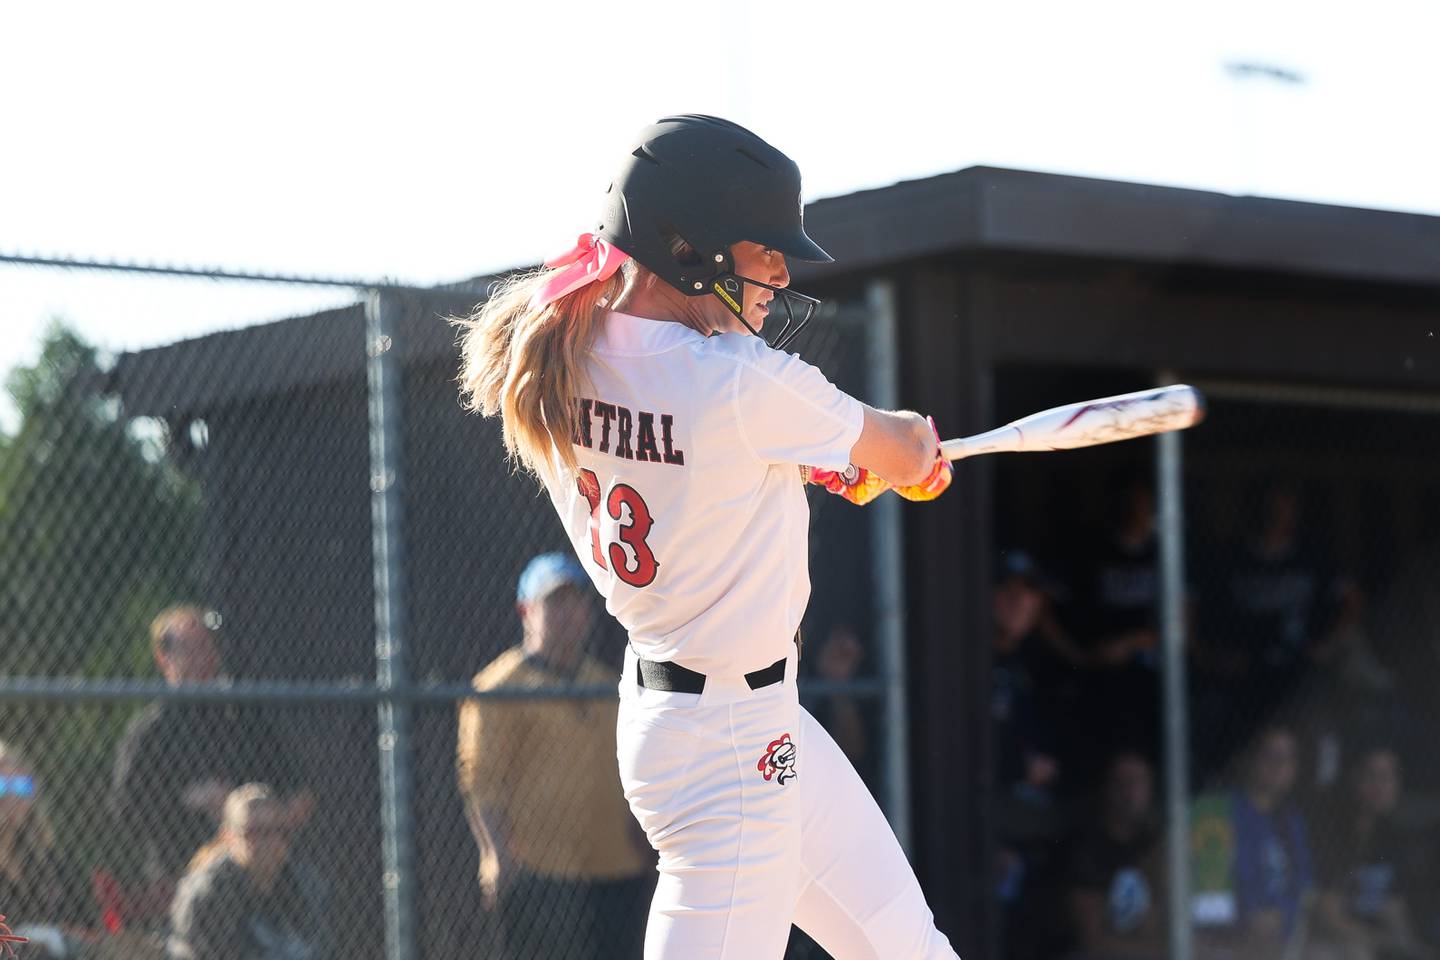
point(632, 378)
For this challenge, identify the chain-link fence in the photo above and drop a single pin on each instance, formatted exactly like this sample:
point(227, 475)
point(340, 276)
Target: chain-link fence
point(1311, 654)
point(284, 557)
point(1315, 662)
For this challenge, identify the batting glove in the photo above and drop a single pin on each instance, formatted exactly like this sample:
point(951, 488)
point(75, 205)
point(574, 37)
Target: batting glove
point(855, 484)
point(939, 479)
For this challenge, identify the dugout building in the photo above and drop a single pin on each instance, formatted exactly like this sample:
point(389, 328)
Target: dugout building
point(1313, 329)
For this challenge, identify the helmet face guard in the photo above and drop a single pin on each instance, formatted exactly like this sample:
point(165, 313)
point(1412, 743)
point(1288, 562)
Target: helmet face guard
point(729, 289)
point(711, 184)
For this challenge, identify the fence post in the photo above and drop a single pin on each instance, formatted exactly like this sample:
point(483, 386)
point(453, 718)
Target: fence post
point(391, 653)
point(1171, 531)
point(888, 565)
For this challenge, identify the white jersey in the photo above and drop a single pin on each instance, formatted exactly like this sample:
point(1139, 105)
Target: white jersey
point(690, 513)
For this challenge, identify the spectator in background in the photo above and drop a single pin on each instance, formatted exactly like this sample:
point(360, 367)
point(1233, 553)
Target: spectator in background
point(1121, 585)
point(243, 897)
point(1270, 619)
point(1115, 889)
point(1273, 875)
point(1351, 697)
point(1279, 601)
point(1117, 623)
point(838, 660)
point(1026, 645)
point(1028, 658)
point(1347, 649)
point(36, 884)
point(1407, 635)
point(1362, 863)
point(560, 854)
point(179, 761)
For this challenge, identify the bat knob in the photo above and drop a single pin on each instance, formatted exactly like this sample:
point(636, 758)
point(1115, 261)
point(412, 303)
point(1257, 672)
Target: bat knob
point(850, 475)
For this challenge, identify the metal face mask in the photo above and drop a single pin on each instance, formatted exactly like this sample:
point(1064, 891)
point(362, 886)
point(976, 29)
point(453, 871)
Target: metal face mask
point(729, 288)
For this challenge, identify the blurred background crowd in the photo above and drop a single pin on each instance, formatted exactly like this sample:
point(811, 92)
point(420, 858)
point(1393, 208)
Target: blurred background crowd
point(1315, 826)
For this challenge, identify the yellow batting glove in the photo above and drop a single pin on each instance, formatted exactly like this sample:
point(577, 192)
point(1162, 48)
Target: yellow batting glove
point(939, 479)
point(855, 484)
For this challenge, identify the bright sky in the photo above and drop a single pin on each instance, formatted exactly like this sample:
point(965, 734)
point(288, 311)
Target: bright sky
point(433, 141)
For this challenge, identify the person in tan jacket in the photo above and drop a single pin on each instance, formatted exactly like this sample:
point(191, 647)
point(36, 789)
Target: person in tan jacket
point(560, 857)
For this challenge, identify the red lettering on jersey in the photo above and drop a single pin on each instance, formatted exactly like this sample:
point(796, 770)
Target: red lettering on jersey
point(672, 455)
point(589, 486)
point(622, 445)
point(645, 448)
point(606, 413)
point(632, 534)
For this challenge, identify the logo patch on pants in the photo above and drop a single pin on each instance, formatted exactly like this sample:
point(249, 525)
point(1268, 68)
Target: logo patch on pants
point(779, 760)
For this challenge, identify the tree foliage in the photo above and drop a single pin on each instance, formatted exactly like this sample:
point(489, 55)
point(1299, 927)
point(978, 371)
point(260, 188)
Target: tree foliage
point(98, 532)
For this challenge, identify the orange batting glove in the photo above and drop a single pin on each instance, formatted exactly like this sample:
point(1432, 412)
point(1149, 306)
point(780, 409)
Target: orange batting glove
point(855, 484)
point(939, 479)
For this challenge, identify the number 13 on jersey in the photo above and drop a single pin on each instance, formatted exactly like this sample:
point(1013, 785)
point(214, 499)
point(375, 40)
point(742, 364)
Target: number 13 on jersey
point(612, 556)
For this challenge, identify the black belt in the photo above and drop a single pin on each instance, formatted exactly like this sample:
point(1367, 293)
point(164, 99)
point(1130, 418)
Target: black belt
point(673, 678)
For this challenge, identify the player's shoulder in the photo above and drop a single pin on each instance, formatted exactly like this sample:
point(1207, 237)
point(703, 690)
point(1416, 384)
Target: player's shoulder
point(501, 671)
point(741, 347)
point(753, 353)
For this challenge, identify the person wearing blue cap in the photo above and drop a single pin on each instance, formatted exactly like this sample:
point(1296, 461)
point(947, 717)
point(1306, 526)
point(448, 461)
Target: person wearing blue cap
point(560, 858)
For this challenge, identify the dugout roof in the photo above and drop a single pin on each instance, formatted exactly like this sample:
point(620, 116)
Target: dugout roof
point(980, 210)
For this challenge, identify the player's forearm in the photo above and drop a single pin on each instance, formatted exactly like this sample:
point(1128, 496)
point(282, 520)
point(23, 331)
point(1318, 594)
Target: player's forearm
point(897, 445)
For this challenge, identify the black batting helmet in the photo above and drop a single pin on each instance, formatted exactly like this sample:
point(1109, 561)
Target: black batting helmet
point(710, 183)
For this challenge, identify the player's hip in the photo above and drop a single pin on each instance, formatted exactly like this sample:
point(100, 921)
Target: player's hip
point(693, 771)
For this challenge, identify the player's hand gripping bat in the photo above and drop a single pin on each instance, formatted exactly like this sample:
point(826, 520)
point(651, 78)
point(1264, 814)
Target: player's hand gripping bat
point(1085, 424)
point(1088, 423)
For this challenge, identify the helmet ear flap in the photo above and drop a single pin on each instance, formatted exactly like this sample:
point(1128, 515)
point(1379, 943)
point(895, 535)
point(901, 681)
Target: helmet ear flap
point(697, 271)
point(681, 249)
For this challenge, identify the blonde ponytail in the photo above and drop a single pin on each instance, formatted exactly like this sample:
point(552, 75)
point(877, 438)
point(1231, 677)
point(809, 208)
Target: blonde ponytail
point(528, 366)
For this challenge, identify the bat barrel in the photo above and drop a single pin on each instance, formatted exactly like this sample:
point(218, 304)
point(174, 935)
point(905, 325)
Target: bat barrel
point(1088, 424)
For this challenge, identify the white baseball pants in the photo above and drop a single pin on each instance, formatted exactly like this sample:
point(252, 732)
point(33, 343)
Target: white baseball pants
point(757, 831)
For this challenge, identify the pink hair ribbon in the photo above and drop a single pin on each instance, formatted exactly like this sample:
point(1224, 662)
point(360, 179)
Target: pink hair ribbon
point(591, 260)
